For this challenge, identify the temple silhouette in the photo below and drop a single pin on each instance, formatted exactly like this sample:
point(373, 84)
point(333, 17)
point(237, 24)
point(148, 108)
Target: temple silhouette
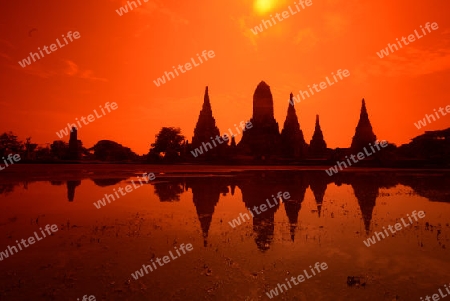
point(363, 132)
point(75, 145)
point(263, 139)
point(318, 146)
point(263, 142)
point(206, 129)
point(292, 140)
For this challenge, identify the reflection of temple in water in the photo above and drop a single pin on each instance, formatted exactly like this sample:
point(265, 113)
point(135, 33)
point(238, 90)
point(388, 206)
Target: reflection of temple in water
point(256, 187)
point(366, 188)
point(296, 185)
point(366, 191)
point(318, 182)
point(255, 191)
point(71, 185)
point(206, 192)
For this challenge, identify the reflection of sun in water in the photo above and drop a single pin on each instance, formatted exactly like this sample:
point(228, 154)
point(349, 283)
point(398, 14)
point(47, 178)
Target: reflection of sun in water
point(263, 6)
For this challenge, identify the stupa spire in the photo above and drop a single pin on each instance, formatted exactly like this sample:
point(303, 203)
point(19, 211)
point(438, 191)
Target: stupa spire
point(292, 140)
point(363, 132)
point(318, 146)
point(206, 124)
point(206, 103)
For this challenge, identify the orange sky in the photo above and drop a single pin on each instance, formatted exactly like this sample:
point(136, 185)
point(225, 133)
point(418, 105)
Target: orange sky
point(117, 58)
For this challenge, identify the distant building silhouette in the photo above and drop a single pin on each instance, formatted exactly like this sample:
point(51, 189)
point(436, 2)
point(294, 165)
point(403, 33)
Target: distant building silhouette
point(74, 145)
point(363, 133)
point(292, 141)
point(432, 146)
point(206, 129)
point(263, 139)
point(317, 146)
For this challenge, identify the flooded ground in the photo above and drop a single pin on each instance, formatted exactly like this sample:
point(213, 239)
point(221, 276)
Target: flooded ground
point(96, 249)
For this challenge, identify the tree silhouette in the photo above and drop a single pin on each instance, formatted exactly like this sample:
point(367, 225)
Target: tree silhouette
point(169, 142)
point(59, 149)
point(9, 144)
point(106, 150)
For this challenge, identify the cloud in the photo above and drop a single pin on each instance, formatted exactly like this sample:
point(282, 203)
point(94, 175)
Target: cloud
point(242, 23)
point(147, 8)
point(5, 56)
point(335, 24)
point(89, 75)
point(306, 38)
point(66, 67)
point(7, 43)
point(174, 17)
point(72, 69)
point(408, 62)
point(35, 69)
point(150, 7)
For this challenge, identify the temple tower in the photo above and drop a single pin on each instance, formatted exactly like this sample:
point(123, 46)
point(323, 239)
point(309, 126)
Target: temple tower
point(363, 133)
point(263, 139)
point(74, 145)
point(317, 146)
point(292, 140)
point(206, 126)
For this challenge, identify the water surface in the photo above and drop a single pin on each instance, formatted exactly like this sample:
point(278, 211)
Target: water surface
point(326, 219)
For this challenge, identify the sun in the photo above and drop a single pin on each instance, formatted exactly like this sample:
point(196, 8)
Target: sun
point(263, 6)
